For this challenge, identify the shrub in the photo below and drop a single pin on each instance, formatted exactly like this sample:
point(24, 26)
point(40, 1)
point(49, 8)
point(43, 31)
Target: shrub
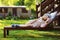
point(1, 17)
point(9, 16)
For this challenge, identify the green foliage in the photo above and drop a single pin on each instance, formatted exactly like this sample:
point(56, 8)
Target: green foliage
point(1, 18)
point(8, 2)
point(39, 1)
point(9, 16)
point(20, 2)
point(31, 4)
point(0, 2)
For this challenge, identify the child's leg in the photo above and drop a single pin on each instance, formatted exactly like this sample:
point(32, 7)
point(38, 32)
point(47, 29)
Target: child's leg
point(26, 25)
point(31, 21)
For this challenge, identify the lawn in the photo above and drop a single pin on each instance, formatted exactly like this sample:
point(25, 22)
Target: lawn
point(27, 34)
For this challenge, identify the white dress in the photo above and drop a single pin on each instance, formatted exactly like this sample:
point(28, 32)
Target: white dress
point(39, 23)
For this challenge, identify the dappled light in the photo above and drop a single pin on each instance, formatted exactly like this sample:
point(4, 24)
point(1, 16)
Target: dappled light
point(13, 13)
point(31, 34)
point(27, 34)
point(4, 23)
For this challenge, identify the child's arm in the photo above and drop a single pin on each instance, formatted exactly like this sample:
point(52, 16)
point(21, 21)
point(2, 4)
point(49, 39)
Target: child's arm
point(32, 21)
point(45, 23)
point(48, 20)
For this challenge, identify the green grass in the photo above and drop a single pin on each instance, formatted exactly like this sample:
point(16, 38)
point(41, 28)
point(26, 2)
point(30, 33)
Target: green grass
point(4, 23)
point(27, 34)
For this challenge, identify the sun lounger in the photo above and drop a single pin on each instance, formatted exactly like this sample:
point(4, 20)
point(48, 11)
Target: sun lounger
point(6, 29)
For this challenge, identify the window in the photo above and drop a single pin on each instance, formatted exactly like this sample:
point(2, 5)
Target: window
point(3, 10)
point(0, 10)
point(24, 10)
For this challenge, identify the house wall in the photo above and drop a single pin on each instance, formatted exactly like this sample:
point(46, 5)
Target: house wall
point(19, 12)
point(3, 12)
point(26, 14)
point(9, 11)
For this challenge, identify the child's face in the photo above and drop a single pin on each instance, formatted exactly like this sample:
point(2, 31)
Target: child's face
point(45, 17)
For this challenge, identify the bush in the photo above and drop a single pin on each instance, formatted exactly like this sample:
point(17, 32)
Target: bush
point(9, 16)
point(1, 17)
point(15, 18)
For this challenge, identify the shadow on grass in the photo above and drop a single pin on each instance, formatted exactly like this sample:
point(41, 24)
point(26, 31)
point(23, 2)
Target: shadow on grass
point(32, 35)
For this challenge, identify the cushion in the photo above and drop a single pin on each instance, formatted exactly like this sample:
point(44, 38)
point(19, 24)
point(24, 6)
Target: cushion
point(47, 14)
point(53, 15)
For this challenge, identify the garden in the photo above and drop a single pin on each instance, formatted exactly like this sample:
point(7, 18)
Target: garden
point(24, 34)
point(27, 34)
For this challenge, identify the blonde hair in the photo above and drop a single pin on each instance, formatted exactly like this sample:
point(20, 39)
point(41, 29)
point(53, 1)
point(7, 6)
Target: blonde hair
point(45, 17)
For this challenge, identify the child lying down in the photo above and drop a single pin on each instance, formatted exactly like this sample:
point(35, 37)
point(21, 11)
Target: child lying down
point(40, 22)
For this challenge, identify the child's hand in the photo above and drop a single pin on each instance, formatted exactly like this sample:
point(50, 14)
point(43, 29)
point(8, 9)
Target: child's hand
point(48, 20)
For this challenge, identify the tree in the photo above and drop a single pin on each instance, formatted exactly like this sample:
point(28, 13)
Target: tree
point(9, 2)
point(20, 2)
point(0, 2)
point(39, 1)
point(31, 4)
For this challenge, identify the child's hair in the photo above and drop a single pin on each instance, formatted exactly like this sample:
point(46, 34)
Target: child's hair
point(47, 15)
point(44, 17)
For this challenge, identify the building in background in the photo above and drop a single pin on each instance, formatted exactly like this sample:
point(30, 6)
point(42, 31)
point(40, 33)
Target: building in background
point(19, 11)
